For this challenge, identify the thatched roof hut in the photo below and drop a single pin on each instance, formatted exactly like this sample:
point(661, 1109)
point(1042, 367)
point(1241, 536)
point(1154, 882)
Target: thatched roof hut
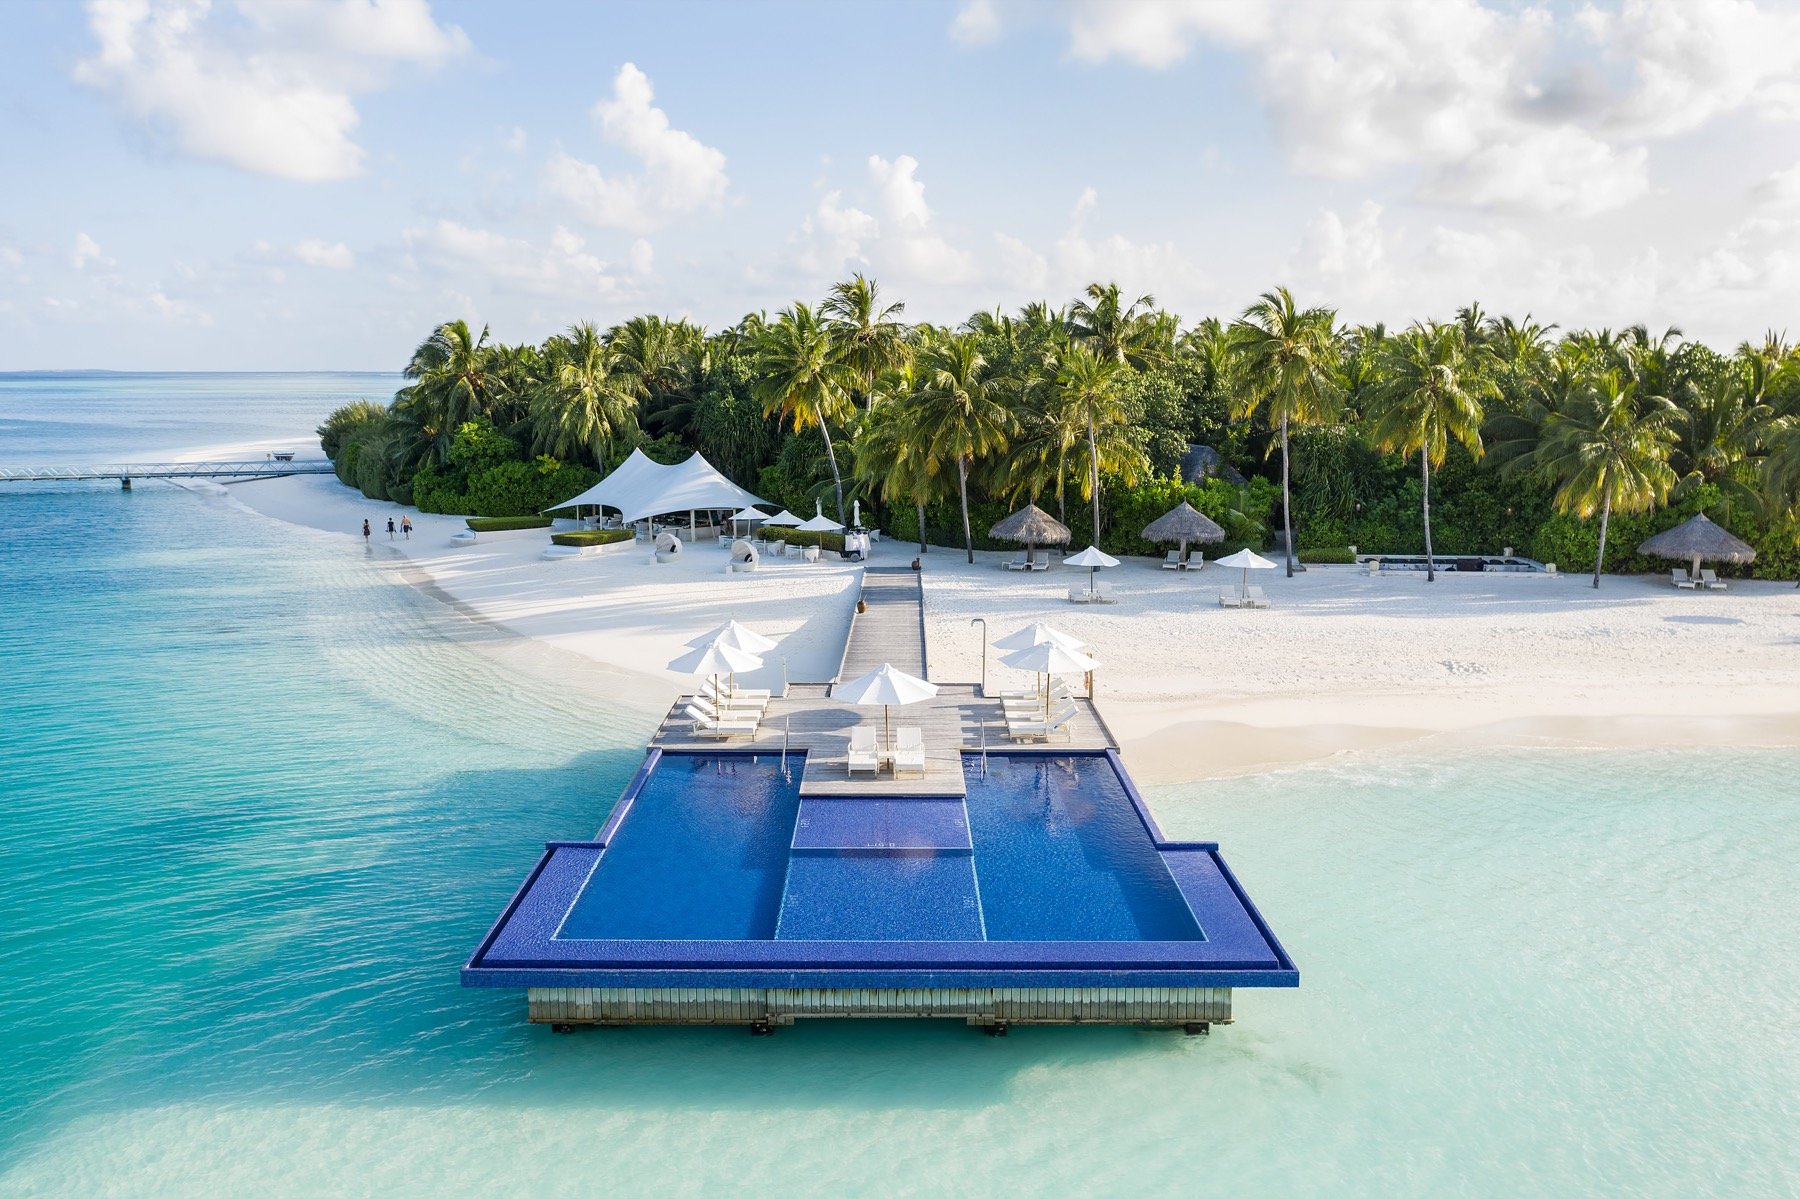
point(1183, 523)
point(1033, 526)
point(1698, 540)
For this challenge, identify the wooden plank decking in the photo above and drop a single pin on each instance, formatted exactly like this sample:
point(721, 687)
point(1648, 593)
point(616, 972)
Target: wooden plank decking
point(807, 720)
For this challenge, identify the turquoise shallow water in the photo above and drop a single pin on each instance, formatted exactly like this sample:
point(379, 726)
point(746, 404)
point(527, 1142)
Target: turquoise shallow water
point(259, 802)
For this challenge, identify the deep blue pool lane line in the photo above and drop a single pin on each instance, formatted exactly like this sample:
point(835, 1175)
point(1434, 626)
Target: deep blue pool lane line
point(711, 873)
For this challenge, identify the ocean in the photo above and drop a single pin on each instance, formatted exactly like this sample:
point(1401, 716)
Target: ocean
point(258, 800)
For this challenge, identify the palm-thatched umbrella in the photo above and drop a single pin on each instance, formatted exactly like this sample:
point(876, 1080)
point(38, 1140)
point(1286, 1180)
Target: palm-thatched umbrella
point(1184, 523)
point(1033, 526)
point(1698, 540)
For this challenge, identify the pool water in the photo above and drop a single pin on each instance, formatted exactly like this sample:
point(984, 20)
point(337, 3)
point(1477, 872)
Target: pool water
point(721, 847)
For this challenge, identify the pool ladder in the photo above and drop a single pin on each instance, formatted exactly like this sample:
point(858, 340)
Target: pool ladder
point(786, 724)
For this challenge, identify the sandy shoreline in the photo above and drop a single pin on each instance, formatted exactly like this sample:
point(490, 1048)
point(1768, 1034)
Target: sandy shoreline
point(1340, 663)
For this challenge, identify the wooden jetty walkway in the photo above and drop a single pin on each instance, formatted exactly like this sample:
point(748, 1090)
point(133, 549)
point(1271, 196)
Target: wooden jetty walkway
point(125, 472)
point(807, 720)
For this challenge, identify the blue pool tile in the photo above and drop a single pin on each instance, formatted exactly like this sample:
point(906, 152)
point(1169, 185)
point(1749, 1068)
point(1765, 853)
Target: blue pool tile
point(906, 895)
point(830, 823)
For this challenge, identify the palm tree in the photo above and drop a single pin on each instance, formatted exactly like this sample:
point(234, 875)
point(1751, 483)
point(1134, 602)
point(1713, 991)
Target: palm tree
point(957, 413)
point(867, 337)
point(1089, 395)
point(1116, 331)
point(1431, 392)
point(804, 381)
point(1608, 448)
point(1285, 360)
point(588, 403)
point(450, 384)
point(891, 456)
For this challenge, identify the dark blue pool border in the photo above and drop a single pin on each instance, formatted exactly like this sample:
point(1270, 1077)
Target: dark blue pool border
point(523, 949)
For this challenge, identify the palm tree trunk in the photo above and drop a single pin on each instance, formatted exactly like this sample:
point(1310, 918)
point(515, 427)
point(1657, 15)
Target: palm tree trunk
point(962, 485)
point(837, 480)
point(1094, 479)
point(922, 546)
point(1287, 517)
point(1605, 515)
point(1425, 471)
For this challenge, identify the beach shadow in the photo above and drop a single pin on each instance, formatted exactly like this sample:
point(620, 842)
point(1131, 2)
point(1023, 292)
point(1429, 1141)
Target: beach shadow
point(1698, 619)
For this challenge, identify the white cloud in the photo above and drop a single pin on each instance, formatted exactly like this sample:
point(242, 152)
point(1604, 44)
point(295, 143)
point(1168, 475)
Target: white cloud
point(1496, 107)
point(334, 256)
point(1078, 258)
point(563, 271)
point(268, 86)
point(899, 240)
point(643, 257)
point(679, 174)
point(516, 141)
point(87, 253)
point(976, 24)
point(1781, 189)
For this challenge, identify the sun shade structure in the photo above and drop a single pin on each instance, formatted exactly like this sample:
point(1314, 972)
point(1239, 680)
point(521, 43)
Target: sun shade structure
point(820, 523)
point(1093, 557)
point(640, 488)
point(1184, 523)
point(715, 658)
point(888, 687)
point(1033, 526)
point(736, 636)
point(1047, 657)
point(1696, 541)
point(1245, 561)
point(1039, 634)
point(782, 520)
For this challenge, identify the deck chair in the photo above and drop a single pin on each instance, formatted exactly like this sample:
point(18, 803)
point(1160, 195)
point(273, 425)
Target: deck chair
point(1043, 730)
point(1710, 580)
point(1172, 560)
point(909, 749)
point(1078, 594)
point(862, 755)
point(729, 709)
point(709, 726)
point(1230, 599)
point(1680, 578)
point(1256, 599)
point(738, 696)
point(1022, 562)
point(1196, 560)
point(1040, 560)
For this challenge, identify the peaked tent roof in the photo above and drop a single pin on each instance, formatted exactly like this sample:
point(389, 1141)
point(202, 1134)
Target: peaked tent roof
point(639, 487)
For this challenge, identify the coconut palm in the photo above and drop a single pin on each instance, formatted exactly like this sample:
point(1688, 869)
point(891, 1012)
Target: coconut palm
point(803, 380)
point(892, 457)
point(865, 332)
point(1607, 448)
point(450, 385)
point(1118, 332)
point(1089, 394)
point(956, 412)
point(1285, 361)
point(1431, 392)
point(589, 401)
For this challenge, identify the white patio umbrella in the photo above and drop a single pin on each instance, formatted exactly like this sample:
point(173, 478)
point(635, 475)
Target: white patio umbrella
point(1048, 658)
point(746, 516)
point(885, 686)
point(782, 519)
point(1093, 558)
point(1245, 561)
point(736, 636)
point(1039, 634)
point(715, 658)
point(820, 523)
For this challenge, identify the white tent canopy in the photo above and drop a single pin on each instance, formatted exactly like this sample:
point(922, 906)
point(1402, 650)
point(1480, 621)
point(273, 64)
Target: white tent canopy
point(640, 488)
point(782, 519)
point(820, 523)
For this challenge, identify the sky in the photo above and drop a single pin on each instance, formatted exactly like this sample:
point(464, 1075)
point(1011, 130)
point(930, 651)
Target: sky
point(315, 184)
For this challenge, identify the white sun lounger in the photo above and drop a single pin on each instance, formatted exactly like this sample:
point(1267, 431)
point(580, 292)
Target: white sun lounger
point(1256, 598)
point(1230, 599)
point(1040, 560)
point(1042, 730)
point(1680, 578)
point(909, 749)
point(1709, 579)
point(1172, 560)
point(1022, 562)
point(863, 755)
point(709, 726)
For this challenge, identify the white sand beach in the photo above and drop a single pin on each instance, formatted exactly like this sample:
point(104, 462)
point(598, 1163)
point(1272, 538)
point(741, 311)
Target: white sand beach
point(1339, 662)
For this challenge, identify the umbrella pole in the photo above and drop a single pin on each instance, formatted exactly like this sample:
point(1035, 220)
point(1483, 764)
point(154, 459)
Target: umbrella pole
point(1694, 571)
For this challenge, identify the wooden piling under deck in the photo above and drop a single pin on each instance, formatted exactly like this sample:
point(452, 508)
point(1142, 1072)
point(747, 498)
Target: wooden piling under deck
point(1166, 1007)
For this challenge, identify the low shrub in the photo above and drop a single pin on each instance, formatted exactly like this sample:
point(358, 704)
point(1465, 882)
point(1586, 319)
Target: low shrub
point(1336, 556)
point(589, 537)
point(501, 524)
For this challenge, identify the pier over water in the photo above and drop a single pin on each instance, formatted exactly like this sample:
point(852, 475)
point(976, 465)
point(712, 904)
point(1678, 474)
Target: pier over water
point(125, 472)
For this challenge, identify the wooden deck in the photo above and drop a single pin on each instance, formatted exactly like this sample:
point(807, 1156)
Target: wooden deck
point(808, 721)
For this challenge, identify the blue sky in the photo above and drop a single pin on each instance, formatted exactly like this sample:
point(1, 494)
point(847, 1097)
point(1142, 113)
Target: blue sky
point(296, 184)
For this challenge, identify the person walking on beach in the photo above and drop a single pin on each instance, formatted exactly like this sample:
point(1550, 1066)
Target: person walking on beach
point(365, 530)
point(390, 528)
point(406, 526)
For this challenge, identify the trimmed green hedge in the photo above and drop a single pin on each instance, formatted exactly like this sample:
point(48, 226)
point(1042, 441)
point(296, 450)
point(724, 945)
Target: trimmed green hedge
point(825, 541)
point(1328, 557)
point(501, 524)
point(591, 537)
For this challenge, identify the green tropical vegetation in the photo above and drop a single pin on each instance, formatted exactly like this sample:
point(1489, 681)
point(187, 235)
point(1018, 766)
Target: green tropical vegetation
point(1452, 437)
